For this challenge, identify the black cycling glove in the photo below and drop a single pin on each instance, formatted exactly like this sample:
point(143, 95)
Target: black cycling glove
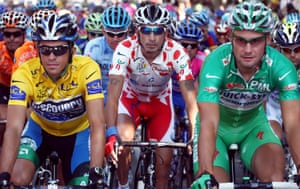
point(96, 178)
point(4, 180)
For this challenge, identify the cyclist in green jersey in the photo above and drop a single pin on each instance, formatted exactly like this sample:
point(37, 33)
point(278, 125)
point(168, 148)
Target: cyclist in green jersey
point(235, 81)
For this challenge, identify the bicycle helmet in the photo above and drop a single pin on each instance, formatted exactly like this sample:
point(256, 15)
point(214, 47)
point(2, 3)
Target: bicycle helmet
point(188, 31)
point(115, 17)
point(200, 18)
point(93, 23)
point(13, 19)
point(251, 15)
point(287, 34)
point(56, 27)
point(173, 25)
point(45, 4)
point(37, 16)
point(152, 14)
point(293, 17)
point(222, 28)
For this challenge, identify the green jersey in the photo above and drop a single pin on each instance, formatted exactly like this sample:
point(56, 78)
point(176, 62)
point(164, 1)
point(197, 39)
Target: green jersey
point(221, 82)
point(242, 117)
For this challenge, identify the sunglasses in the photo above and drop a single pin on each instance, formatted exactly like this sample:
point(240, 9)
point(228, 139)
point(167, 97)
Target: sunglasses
point(117, 34)
point(95, 34)
point(56, 50)
point(289, 50)
point(155, 30)
point(14, 34)
point(252, 41)
point(190, 45)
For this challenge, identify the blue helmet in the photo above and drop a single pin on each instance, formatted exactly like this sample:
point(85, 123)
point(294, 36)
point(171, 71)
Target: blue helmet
point(188, 31)
point(45, 4)
point(286, 34)
point(293, 17)
point(115, 17)
point(56, 27)
point(200, 18)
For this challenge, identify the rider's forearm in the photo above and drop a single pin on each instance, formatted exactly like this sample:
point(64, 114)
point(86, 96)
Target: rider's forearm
point(189, 95)
point(9, 150)
point(291, 121)
point(114, 92)
point(97, 146)
point(206, 149)
point(16, 116)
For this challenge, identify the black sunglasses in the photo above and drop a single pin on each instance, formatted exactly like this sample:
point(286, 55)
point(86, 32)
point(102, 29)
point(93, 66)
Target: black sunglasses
point(95, 34)
point(289, 50)
point(118, 34)
point(14, 34)
point(56, 50)
point(189, 45)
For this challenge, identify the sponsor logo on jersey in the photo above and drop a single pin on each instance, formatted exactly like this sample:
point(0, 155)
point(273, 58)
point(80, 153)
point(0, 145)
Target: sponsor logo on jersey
point(259, 86)
point(68, 86)
point(284, 75)
point(94, 87)
point(290, 87)
point(210, 89)
point(16, 93)
point(234, 86)
point(209, 76)
point(60, 110)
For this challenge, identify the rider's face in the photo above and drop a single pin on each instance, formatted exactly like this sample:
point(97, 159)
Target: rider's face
point(249, 48)
point(54, 57)
point(292, 52)
point(114, 37)
point(13, 38)
point(152, 38)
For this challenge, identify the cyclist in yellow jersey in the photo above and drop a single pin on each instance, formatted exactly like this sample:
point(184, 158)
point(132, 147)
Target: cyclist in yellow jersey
point(65, 92)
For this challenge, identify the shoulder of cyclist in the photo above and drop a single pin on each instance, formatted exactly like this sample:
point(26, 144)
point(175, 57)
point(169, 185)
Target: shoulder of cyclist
point(24, 53)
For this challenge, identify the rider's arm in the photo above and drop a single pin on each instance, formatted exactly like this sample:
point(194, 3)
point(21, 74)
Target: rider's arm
point(95, 109)
point(114, 87)
point(16, 116)
point(209, 113)
point(189, 94)
point(291, 120)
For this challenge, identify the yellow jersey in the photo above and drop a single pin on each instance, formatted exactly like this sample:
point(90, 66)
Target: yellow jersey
point(58, 106)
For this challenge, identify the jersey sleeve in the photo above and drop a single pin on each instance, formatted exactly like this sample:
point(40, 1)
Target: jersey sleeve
point(21, 87)
point(24, 53)
point(210, 79)
point(121, 58)
point(286, 79)
point(182, 64)
point(92, 79)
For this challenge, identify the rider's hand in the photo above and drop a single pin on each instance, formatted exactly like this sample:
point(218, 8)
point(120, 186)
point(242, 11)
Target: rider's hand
point(112, 140)
point(4, 179)
point(110, 145)
point(96, 178)
point(205, 180)
point(297, 179)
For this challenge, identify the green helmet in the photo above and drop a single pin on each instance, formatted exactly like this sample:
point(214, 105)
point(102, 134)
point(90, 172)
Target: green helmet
point(93, 23)
point(251, 15)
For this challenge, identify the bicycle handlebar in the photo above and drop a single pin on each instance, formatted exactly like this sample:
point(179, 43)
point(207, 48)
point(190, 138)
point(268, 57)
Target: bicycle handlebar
point(154, 144)
point(270, 185)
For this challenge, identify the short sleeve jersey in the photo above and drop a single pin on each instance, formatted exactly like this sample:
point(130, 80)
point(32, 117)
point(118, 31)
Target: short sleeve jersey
point(6, 65)
point(144, 79)
point(58, 107)
point(221, 82)
point(24, 53)
point(99, 50)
